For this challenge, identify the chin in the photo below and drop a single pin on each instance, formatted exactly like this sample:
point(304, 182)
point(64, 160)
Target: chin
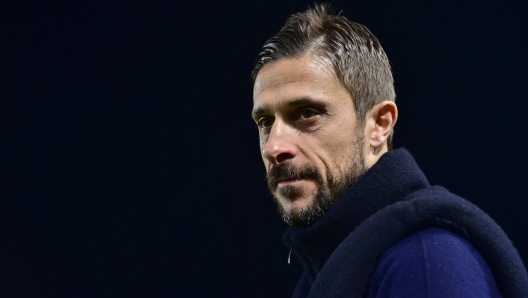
point(296, 204)
point(295, 196)
point(299, 206)
point(299, 212)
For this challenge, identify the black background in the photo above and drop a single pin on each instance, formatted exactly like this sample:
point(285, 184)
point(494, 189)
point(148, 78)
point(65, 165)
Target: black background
point(131, 164)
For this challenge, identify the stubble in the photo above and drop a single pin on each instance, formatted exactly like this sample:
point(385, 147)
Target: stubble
point(327, 192)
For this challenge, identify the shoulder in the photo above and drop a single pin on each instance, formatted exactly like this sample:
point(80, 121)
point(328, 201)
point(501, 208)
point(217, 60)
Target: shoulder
point(433, 263)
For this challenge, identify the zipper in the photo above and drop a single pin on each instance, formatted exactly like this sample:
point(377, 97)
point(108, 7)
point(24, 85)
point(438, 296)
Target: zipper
point(291, 248)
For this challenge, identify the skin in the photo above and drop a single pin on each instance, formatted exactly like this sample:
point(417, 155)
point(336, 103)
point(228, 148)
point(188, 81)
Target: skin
point(305, 116)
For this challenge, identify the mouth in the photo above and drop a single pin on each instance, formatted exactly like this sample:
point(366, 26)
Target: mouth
point(288, 181)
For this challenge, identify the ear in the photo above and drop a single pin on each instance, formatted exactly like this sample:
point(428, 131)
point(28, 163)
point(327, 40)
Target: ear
point(380, 121)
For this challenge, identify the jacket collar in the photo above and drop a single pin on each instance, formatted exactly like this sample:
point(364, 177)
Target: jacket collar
point(390, 180)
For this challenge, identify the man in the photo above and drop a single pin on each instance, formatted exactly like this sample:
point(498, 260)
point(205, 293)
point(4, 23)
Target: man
point(364, 220)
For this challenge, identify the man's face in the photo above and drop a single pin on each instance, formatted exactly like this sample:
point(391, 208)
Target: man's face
point(311, 142)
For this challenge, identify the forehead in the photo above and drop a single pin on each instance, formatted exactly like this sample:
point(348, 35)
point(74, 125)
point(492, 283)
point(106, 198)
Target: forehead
point(294, 71)
point(285, 81)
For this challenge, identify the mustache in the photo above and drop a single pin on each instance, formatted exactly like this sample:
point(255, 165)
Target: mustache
point(287, 171)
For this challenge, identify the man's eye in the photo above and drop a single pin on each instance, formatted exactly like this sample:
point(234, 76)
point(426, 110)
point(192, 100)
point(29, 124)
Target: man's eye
point(307, 114)
point(265, 122)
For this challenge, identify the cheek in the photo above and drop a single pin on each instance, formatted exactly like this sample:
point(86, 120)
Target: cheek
point(340, 150)
point(262, 143)
point(263, 140)
point(340, 142)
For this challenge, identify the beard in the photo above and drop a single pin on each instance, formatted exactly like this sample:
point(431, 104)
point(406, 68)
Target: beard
point(327, 192)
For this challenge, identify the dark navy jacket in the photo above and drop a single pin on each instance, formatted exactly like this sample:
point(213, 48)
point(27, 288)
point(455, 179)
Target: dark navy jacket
point(393, 235)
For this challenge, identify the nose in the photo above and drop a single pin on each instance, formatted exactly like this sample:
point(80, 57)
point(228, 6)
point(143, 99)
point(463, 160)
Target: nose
point(279, 146)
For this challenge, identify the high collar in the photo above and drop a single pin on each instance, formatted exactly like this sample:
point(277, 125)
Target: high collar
point(388, 181)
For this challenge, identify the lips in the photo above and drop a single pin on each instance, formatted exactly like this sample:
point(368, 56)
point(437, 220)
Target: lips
point(288, 181)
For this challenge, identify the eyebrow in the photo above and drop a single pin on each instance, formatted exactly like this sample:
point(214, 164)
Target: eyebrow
point(291, 103)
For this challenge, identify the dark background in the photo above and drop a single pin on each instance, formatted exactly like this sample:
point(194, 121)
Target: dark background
point(131, 164)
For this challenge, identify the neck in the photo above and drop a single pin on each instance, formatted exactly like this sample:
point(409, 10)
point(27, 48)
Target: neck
point(374, 154)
